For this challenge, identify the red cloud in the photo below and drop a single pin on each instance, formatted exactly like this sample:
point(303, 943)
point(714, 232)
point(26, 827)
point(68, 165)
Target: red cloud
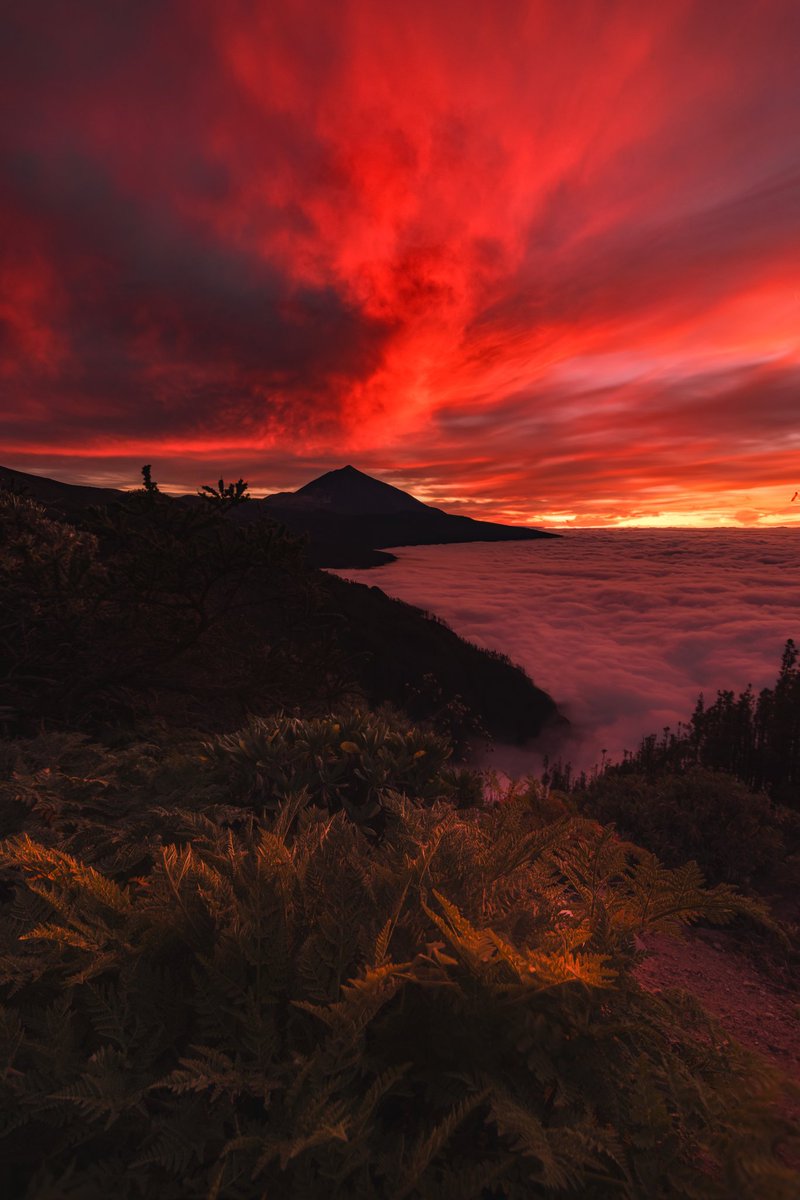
point(499, 254)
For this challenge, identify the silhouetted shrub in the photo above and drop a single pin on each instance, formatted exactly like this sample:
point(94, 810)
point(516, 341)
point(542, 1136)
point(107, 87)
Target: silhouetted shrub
point(225, 495)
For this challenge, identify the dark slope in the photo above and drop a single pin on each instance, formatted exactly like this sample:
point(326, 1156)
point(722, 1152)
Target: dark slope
point(60, 499)
point(344, 540)
point(415, 660)
point(200, 621)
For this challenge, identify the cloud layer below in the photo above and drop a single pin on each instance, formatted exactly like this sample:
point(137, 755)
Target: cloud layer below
point(623, 628)
point(530, 266)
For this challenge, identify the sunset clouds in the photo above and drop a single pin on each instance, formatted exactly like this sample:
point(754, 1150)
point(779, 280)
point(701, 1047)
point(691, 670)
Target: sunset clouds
point(527, 259)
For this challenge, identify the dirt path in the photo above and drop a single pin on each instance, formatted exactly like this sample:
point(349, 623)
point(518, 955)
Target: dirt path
point(758, 1013)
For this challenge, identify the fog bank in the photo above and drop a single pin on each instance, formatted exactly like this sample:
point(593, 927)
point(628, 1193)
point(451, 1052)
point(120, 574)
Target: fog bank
point(623, 628)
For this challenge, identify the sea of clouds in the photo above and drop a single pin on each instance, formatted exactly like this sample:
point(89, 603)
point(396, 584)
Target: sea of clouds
point(623, 628)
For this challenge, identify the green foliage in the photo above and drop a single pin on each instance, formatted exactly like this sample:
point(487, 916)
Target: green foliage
point(708, 816)
point(276, 1005)
point(719, 790)
point(349, 762)
point(288, 961)
point(111, 805)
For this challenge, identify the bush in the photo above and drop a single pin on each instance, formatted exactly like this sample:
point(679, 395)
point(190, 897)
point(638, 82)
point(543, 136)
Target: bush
point(274, 1005)
point(351, 761)
point(707, 816)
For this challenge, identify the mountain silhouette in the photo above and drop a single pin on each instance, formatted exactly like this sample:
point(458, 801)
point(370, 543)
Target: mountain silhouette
point(348, 516)
point(349, 491)
point(60, 499)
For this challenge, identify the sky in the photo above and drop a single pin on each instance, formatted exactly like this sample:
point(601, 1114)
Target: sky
point(532, 260)
point(623, 629)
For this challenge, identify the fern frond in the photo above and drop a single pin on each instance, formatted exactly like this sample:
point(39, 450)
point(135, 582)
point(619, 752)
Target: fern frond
point(288, 1148)
point(431, 1144)
point(106, 1089)
point(525, 1134)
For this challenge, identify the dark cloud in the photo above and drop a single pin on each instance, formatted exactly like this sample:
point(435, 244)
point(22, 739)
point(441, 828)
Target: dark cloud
point(171, 335)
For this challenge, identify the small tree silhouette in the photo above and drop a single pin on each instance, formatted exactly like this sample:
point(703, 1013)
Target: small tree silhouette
point(225, 495)
point(150, 485)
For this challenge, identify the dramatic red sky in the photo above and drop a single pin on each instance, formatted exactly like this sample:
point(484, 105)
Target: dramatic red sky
point(537, 259)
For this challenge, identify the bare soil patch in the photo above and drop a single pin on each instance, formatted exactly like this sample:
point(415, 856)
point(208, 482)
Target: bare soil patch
point(756, 1010)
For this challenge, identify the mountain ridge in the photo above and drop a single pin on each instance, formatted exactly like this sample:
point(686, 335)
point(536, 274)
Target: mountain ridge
point(280, 611)
point(349, 517)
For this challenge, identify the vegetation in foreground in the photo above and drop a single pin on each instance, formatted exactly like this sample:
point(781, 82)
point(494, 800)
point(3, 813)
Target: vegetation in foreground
point(220, 981)
point(299, 956)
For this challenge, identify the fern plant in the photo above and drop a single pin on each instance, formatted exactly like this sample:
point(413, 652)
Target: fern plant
point(275, 1005)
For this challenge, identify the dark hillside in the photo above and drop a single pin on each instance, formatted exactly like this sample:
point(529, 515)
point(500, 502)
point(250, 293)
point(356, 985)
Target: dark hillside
point(60, 499)
point(353, 540)
point(151, 605)
point(413, 659)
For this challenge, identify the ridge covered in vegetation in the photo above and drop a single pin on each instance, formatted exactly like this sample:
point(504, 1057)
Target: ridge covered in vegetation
point(149, 605)
point(261, 940)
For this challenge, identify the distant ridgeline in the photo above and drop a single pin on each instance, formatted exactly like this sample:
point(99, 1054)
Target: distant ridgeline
point(202, 612)
point(346, 515)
